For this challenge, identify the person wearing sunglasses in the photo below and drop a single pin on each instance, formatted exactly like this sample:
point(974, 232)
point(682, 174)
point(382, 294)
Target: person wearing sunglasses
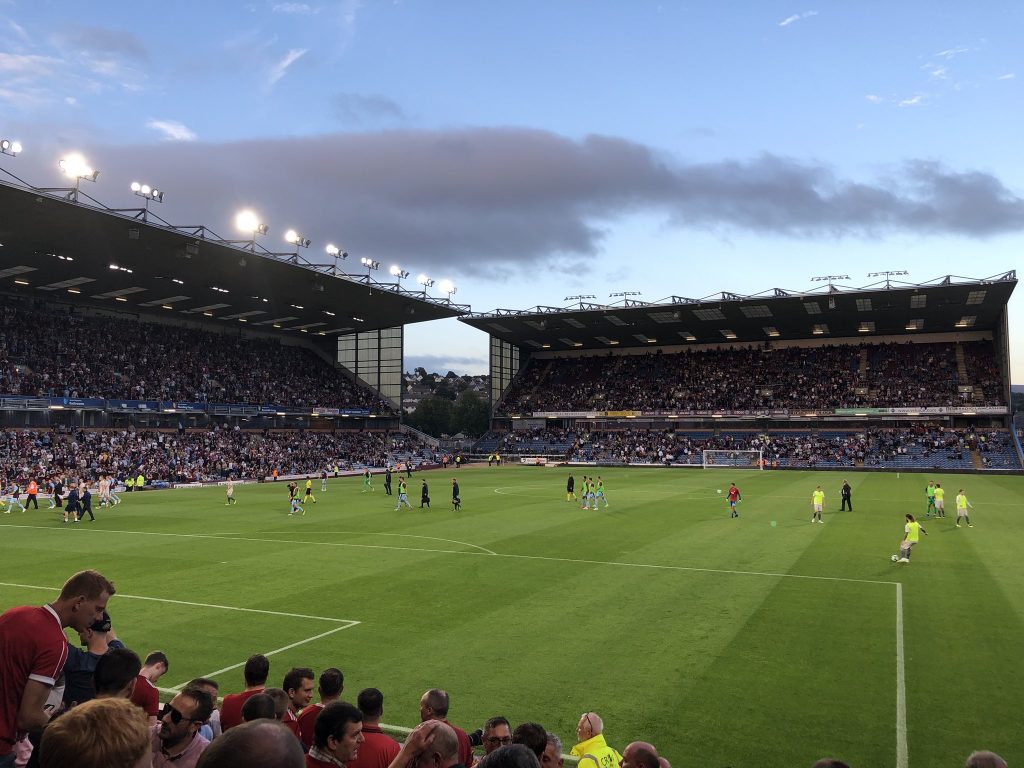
point(497, 733)
point(593, 751)
point(176, 739)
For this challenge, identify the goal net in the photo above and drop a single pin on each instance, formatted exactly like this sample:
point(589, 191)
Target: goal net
point(712, 459)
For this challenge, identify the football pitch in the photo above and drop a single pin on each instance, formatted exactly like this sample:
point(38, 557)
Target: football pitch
point(758, 641)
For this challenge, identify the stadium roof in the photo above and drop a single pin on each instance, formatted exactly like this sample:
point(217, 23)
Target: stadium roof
point(125, 259)
point(885, 308)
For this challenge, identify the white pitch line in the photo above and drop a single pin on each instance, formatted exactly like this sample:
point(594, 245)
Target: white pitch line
point(901, 686)
point(349, 622)
point(216, 672)
point(400, 535)
point(574, 561)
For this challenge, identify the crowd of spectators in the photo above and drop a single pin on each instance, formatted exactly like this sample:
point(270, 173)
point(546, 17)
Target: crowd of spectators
point(758, 378)
point(872, 447)
point(198, 455)
point(63, 354)
point(116, 720)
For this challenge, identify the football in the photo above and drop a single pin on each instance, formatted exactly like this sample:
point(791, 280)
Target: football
point(719, 490)
point(894, 558)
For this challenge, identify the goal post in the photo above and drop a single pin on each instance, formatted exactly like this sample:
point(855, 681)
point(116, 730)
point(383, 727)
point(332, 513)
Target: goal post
point(716, 459)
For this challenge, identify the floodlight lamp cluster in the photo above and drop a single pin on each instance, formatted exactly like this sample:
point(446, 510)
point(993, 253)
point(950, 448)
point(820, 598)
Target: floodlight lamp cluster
point(148, 192)
point(447, 286)
point(369, 263)
point(296, 239)
point(10, 147)
point(397, 271)
point(248, 221)
point(336, 252)
point(425, 281)
point(75, 167)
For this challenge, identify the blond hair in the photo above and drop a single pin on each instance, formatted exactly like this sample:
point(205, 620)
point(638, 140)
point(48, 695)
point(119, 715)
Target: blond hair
point(102, 733)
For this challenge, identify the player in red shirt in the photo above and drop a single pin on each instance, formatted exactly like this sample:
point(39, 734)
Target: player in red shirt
point(34, 649)
point(257, 669)
point(298, 685)
point(734, 496)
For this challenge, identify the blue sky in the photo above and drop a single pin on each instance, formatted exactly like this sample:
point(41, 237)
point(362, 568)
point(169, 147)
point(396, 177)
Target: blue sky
point(534, 150)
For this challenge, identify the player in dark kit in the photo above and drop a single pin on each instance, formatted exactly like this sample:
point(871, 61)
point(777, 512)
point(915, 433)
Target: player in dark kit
point(456, 499)
point(570, 489)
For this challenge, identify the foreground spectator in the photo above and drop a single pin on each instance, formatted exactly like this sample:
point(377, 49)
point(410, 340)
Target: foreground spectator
point(116, 673)
point(257, 669)
point(378, 749)
point(511, 756)
point(531, 735)
point(593, 751)
point(640, 754)
point(298, 685)
point(552, 757)
point(332, 683)
point(176, 740)
point(985, 759)
point(434, 706)
point(146, 696)
point(259, 744)
point(81, 666)
point(33, 648)
point(103, 733)
point(337, 736)
point(497, 733)
point(262, 706)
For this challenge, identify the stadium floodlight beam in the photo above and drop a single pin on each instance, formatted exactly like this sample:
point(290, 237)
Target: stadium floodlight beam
point(74, 166)
point(448, 287)
point(247, 221)
point(10, 147)
point(336, 252)
point(370, 264)
point(296, 239)
point(425, 281)
point(398, 273)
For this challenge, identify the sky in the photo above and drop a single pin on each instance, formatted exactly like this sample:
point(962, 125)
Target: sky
point(542, 149)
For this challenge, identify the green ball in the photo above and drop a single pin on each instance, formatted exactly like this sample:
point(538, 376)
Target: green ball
point(774, 524)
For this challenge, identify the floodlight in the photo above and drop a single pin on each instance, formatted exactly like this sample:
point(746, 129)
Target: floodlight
point(336, 252)
point(425, 281)
point(296, 239)
point(397, 271)
point(448, 287)
point(75, 166)
point(9, 147)
point(369, 263)
point(247, 221)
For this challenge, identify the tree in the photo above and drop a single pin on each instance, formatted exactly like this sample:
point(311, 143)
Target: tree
point(471, 414)
point(433, 415)
point(444, 389)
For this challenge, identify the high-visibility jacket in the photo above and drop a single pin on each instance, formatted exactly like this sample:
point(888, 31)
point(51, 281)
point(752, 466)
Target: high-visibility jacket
point(33, 489)
point(595, 753)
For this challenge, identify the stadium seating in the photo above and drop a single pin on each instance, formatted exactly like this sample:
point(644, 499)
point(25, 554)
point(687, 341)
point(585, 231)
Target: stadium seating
point(61, 354)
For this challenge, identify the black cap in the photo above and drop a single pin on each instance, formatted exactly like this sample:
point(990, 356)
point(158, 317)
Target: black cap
point(101, 625)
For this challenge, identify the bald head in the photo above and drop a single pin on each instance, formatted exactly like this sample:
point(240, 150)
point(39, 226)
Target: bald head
point(830, 762)
point(446, 743)
point(259, 744)
point(664, 763)
point(640, 754)
point(590, 725)
point(985, 759)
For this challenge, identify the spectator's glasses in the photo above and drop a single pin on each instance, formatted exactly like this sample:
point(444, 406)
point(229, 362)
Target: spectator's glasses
point(176, 716)
point(503, 740)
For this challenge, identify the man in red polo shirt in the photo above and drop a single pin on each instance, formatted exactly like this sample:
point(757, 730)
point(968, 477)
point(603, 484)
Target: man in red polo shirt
point(257, 669)
point(146, 696)
point(434, 706)
point(332, 683)
point(298, 686)
point(33, 650)
point(338, 736)
point(379, 749)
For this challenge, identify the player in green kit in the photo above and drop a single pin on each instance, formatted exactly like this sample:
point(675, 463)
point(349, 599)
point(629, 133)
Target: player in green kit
point(818, 501)
point(961, 509)
point(930, 491)
point(367, 481)
point(600, 493)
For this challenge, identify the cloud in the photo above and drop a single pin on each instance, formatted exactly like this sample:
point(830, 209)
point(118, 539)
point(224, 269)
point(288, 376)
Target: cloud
point(797, 17)
point(172, 130)
point(297, 9)
point(1007, 76)
point(101, 42)
point(489, 201)
point(281, 67)
point(443, 363)
point(874, 98)
point(913, 101)
point(950, 53)
point(357, 108)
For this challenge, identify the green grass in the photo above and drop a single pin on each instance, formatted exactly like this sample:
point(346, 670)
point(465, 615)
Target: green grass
point(677, 624)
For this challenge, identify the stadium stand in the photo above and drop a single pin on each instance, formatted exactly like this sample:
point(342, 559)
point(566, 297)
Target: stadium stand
point(63, 354)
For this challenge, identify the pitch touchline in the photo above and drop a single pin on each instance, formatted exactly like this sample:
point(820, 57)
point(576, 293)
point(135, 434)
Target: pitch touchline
point(576, 561)
point(347, 622)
